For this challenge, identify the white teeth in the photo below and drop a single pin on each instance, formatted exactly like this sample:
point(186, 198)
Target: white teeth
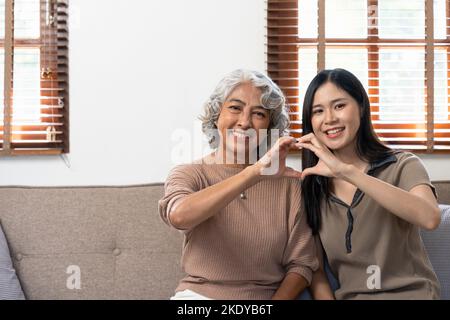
point(240, 134)
point(334, 131)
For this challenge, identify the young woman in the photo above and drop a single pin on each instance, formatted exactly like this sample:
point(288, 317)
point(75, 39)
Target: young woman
point(245, 237)
point(366, 201)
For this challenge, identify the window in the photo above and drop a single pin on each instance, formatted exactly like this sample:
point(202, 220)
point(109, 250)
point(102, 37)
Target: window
point(34, 78)
point(399, 49)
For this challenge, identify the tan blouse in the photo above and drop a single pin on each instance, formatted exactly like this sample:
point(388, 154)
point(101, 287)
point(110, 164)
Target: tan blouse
point(245, 250)
point(365, 241)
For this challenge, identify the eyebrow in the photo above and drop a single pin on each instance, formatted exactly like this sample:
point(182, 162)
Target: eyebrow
point(242, 102)
point(331, 102)
point(236, 100)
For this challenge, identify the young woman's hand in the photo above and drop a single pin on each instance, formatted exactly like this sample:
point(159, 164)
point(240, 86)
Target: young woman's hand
point(328, 165)
point(273, 163)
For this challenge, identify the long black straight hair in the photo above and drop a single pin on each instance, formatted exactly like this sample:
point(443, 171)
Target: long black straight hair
point(368, 147)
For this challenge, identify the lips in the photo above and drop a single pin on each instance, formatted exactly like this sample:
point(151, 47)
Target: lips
point(334, 132)
point(241, 134)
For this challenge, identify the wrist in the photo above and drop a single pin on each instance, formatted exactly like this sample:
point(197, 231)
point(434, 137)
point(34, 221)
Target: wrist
point(348, 171)
point(252, 174)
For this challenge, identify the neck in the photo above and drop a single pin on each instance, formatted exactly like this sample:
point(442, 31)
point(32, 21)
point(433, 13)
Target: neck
point(348, 155)
point(221, 157)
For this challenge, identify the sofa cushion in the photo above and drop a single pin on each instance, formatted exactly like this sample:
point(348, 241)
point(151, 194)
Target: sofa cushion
point(437, 243)
point(10, 288)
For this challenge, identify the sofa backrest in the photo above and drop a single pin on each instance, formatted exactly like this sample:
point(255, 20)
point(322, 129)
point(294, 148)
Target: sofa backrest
point(437, 244)
point(443, 191)
point(112, 234)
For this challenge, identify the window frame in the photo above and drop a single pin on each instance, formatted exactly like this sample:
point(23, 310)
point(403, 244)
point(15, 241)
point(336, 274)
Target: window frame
point(26, 139)
point(283, 43)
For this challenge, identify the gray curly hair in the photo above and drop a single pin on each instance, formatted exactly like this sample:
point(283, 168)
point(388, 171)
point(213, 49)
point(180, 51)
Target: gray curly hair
point(272, 99)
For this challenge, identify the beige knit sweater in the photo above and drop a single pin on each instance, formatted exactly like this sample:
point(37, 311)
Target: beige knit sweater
point(245, 250)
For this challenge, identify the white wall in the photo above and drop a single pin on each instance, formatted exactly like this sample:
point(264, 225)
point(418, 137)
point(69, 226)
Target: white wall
point(139, 73)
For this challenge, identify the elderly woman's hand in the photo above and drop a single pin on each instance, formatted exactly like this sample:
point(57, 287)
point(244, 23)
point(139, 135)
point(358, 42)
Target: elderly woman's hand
point(273, 163)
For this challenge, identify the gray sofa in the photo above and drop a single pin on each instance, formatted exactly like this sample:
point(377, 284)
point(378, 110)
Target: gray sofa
point(113, 234)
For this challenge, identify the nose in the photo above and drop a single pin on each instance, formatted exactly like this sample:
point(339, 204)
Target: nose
point(245, 121)
point(330, 116)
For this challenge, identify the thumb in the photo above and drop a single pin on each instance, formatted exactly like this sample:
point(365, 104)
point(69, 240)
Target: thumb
point(310, 171)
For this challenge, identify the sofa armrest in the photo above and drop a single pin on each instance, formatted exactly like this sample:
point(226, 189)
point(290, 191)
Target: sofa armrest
point(437, 244)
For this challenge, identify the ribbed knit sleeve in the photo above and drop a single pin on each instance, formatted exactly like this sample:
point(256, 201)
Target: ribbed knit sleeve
point(181, 182)
point(300, 254)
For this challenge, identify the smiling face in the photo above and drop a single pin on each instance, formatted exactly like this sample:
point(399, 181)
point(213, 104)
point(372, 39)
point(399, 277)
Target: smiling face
point(335, 117)
point(241, 118)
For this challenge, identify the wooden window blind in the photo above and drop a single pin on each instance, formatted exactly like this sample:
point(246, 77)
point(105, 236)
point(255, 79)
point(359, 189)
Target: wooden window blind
point(34, 64)
point(399, 49)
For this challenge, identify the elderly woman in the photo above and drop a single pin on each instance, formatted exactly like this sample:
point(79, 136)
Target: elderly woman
point(245, 237)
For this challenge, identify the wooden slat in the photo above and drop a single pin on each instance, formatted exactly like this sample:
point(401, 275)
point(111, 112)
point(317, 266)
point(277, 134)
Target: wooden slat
point(35, 145)
point(373, 52)
point(429, 66)
point(30, 152)
point(8, 67)
point(282, 56)
point(321, 36)
point(372, 40)
point(59, 42)
point(447, 10)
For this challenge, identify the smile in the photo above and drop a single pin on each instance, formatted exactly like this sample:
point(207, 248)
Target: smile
point(240, 134)
point(335, 132)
